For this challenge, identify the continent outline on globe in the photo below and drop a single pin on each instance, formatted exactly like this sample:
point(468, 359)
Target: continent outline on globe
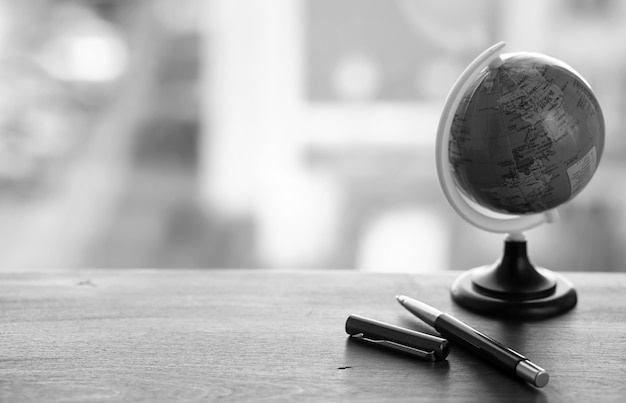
point(527, 135)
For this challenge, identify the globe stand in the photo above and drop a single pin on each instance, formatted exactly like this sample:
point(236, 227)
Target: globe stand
point(513, 287)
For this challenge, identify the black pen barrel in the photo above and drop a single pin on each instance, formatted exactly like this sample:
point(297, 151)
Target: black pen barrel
point(477, 342)
point(473, 340)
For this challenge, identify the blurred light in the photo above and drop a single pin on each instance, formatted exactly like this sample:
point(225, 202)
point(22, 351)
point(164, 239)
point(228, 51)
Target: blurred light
point(356, 77)
point(404, 240)
point(299, 219)
point(92, 51)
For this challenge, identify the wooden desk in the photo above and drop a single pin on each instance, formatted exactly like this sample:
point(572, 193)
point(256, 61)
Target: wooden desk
point(266, 335)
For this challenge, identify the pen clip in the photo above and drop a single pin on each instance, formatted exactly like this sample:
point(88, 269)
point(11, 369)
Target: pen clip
point(425, 355)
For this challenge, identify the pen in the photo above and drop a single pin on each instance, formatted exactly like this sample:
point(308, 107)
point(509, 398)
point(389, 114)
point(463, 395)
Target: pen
point(486, 347)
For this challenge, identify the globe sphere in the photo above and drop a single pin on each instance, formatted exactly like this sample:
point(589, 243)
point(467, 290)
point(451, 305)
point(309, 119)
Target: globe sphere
point(527, 135)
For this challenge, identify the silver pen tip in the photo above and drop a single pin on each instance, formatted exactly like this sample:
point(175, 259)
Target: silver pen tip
point(532, 373)
point(423, 311)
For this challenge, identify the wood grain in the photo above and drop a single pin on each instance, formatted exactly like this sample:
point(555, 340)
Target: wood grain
point(246, 335)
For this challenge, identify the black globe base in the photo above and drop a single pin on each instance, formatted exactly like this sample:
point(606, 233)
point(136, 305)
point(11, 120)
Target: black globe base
point(514, 288)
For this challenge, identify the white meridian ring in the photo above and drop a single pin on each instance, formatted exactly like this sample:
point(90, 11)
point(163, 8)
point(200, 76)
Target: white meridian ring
point(516, 224)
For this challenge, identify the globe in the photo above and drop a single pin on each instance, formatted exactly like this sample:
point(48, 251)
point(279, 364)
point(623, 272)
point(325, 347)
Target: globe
point(527, 135)
point(519, 135)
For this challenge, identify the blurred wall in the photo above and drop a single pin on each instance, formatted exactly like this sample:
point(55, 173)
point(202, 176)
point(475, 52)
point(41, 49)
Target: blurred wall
point(276, 134)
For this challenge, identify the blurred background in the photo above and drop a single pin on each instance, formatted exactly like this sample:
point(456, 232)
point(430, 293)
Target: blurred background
point(289, 134)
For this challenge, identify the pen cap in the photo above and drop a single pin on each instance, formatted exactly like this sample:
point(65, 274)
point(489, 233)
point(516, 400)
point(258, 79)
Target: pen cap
point(374, 329)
